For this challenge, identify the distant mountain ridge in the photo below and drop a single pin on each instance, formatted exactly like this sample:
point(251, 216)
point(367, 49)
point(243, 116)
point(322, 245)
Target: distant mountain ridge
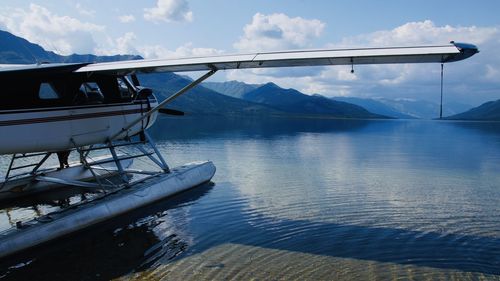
point(376, 106)
point(394, 108)
point(423, 109)
point(201, 100)
point(17, 50)
point(291, 100)
point(233, 88)
point(487, 111)
point(406, 108)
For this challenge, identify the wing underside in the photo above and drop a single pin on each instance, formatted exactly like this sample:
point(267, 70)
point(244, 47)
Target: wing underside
point(423, 54)
point(394, 55)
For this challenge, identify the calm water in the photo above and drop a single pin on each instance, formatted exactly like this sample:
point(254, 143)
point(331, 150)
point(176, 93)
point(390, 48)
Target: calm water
point(304, 199)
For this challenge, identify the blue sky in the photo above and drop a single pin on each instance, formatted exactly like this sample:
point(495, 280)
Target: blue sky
point(179, 28)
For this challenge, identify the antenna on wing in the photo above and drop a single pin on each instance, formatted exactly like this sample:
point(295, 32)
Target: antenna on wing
point(352, 65)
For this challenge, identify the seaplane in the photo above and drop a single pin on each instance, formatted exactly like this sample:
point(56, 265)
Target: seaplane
point(99, 110)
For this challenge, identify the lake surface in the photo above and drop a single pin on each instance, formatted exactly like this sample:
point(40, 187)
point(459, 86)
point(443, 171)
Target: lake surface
point(306, 200)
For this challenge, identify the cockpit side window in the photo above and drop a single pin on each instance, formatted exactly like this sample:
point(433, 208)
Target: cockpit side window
point(126, 91)
point(47, 92)
point(18, 93)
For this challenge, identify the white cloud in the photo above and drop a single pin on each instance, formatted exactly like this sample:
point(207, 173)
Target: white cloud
point(169, 11)
point(126, 18)
point(278, 32)
point(62, 34)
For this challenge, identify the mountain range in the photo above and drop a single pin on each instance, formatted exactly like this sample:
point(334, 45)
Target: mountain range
point(235, 89)
point(293, 101)
point(376, 106)
point(201, 100)
point(393, 108)
point(235, 98)
point(487, 111)
point(17, 50)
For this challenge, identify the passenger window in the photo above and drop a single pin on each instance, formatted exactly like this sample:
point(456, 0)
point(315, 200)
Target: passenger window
point(90, 87)
point(47, 92)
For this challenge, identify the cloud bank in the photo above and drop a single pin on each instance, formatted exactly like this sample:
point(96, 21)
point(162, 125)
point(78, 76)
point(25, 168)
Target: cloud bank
point(278, 32)
point(62, 34)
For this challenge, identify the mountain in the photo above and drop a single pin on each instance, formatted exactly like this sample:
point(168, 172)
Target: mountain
point(233, 88)
point(293, 101)
point(16, 50)
point(375, 106)
point(487, 111)
point(201, 100)
point(395, 108)
point(451, 108)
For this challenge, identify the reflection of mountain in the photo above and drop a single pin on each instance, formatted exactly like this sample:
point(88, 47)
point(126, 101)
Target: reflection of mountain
point(487, 111)
point(491, 129)
point(112, 249)
point(198, 127)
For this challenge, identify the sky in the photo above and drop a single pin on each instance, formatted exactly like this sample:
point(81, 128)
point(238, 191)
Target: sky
point(183, 28)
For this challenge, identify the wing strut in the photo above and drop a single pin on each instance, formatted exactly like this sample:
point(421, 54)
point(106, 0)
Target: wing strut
point(163, 103)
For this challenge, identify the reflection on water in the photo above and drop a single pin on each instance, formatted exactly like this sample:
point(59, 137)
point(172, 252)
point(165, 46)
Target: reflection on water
point(110, 250)
point(305, 199)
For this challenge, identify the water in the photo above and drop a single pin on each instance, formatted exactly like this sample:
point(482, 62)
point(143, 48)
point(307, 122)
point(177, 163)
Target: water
point(304, 199)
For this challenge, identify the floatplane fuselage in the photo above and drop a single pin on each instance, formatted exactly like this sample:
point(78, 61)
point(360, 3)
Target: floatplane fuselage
point(57, 111)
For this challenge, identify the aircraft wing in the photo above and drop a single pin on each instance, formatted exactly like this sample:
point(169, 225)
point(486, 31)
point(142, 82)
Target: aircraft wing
point(421, 54)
